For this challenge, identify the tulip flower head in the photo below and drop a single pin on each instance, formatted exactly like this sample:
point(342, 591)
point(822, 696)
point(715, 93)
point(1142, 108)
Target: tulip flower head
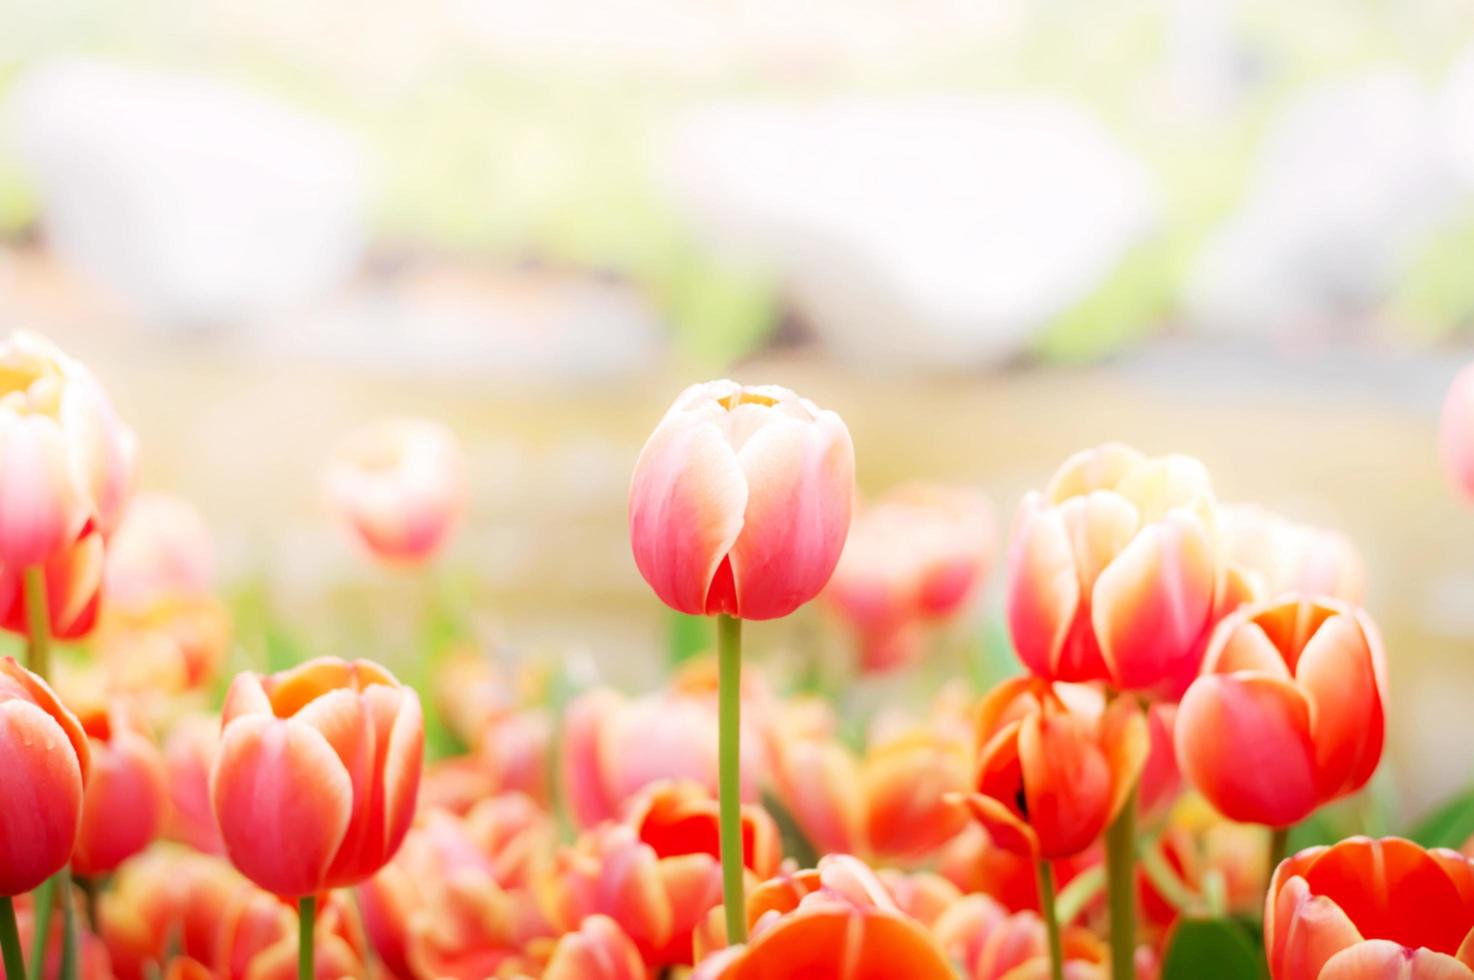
point(740, 501)
point(992, 943)
point(314, 785)
point(74, 578)
point(1289, 712)
point(127, 796)
point(1371, 909)
point(1114, 571)
point(399, 486)
point(44, 761)
point(1055, 765)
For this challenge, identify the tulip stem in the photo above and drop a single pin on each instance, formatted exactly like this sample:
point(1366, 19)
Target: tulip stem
point(43, 900)
point(729, 775)
point(1279, 846)
point(1082, 889)
point(70, 957)
point(1047, 906)
point(38, 623)
point(306, 932)
point(1121, 889)
point(15, 963)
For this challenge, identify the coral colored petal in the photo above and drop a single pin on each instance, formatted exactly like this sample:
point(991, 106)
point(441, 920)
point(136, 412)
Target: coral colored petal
point(1336, 672)
point(686, 503)
point(1382, 960)
point(1305, 931)
point(283, 801)
point(1067, 783)
point(1244, 741)
point(42, 505)
point(1043, 588)
point(583, 773)
point(1243, 645)
point(123, 806)
point(800, 489)
point(246, 696)
point(41, 785)
point(842, 944)
point(599, 950)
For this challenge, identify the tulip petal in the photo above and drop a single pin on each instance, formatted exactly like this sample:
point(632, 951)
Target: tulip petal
point(1379, 959)
point(1244, 742)
point(1066, 781)
point(42, 504)
point(1337, 674)
point(283, 801)
point(123, 806)
point(41, 784)
point(1043, 587)
point(1302, 931)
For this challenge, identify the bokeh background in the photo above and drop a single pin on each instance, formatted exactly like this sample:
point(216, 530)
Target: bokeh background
point(987, 232)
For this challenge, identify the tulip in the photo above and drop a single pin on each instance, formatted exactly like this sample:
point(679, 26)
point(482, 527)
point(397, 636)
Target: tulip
point(314, 786)
point(599, 950)
point(161, 552)
point(189, 755)
point(1228, 858)
point(1161, 780)
point(974, 863)
point(906, 782)
point(89, 955)
point(991, 943)
point(174, 647)
point(1289, 712)
point(1114, 571)
point(72, 578)
point(918, 556)
point(166, 896)
point(400, 487)
point(816, 777)
point(1371, 909)
point(1456, 432)
point(126, 799)
point(1279, 556)
point(257, 940)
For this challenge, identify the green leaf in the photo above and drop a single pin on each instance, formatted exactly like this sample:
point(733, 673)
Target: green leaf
point(1218, 948)
point(1448, 826)
point(689, 636)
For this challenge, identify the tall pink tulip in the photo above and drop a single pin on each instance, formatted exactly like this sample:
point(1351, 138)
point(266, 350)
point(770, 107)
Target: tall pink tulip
point(741, 500)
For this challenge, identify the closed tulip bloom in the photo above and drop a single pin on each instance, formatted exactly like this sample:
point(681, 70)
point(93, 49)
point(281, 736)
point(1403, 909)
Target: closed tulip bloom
point(906, 782)
point(73, 574)
point(169, 895)
point(127, 795)
point(740, 501)
point(1055, 765)
point(1279, 556)
point(189, 755)
point(314, 787)
point(1371, 910)
point(400, 487)
point(917, 556)
point(1289, 712)
point(1114, 570)
point(44, 761)
point(64, 455)
point(598, 950)
point(1456, 432)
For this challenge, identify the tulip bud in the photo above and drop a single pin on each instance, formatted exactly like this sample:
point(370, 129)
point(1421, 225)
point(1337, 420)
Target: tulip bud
point(400, 486)
point(1289, 712)
point(1114, 571)
point(44, 761)
point(1371, 909)
point(127, 794)
point(1055, 765)
point(740, 501)
point(73, 577)
point(315, 783)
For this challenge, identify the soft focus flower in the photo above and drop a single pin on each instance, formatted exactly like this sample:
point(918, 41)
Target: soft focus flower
point(400, 486)
point(919, 555)
point(906, 781)
point(161, 551)
point(658, 871)
point(257, 939)
point(1288, 713)
point(44, 761)
point(1279, 556)
point(1371, 909)
point(1208, 854)
point(65, 458)
point(73, 576)
point(1055, 765)
point(837, 923)
point(991, 943)
point(93, 964)
point(598, 950)
point(1456, 432)
point(127, 794)
point(1161, 779)
point(315, 783)
point(973, 863)
point(189, 755)
point(167, 896)
point(1114, 570)
point(740, 501)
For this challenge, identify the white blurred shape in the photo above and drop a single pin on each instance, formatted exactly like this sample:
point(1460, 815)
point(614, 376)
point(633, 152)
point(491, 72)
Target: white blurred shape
point(197, 201)
point(926, 231)
point(1458, 114)
point(1352, 175)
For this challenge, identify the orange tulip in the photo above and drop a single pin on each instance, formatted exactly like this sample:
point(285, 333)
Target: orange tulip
point(399, 486)
point(44, 761)
point(917, 556)
point(1288, 713)
point(906, 782)
point(1114, 571)
point(175, 646)
point(1279, 556)
point(64, 455)
point(319, 765)
point(1055, 765)
point(740, 501)
point(991, 943)
point(1371, 909)
point(599, 950)
point(816, 776)
point(166, 897)
point(126, 799)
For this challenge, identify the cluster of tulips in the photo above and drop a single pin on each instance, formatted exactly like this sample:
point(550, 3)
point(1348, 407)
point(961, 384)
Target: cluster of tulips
point(1198, 679)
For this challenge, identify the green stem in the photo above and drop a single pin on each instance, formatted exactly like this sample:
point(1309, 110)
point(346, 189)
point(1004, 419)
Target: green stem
point(15, 963)
point(38, 623)
point(1121, 889)
point(43, 901)
point(729, 774)
point(1079, 893)
point(306, 932)
point(1048, 909)
point(70, 957)
point(1166, 880)
point(1279, 846)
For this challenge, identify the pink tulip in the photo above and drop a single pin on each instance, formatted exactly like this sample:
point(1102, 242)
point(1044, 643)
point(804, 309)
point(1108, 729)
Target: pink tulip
point(400, 486)
point(740, 501)
point(1278, 556)
point(125, 802)
point(1456, 432)
point(161, 552)
point(73, 577)
point(189, 755)
point(918, 556)
point(64, 455)
point(1115, 571)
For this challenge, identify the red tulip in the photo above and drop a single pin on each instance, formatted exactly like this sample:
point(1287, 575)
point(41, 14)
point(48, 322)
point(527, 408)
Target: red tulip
point(1289, 712)
point(1055, 765)
point(740, 501)
point(315, 783)
point(1371, 910)
point(44, 761)
point(126, 799)
point(73, 576)
point(1115, 571)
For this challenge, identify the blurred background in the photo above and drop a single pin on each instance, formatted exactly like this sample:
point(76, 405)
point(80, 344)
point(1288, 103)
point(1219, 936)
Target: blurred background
point(986, 232)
